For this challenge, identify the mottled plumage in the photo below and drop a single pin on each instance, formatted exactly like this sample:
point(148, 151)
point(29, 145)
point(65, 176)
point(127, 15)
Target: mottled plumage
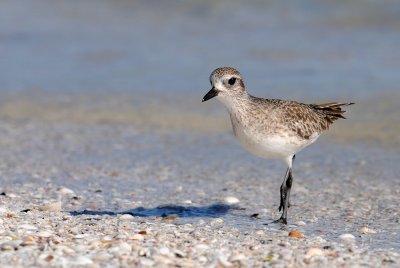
point(271, 128)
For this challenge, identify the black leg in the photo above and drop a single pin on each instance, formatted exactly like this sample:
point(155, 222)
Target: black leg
point(285, 194)
point(284, 190)
point(291, 181)
point(284, 198)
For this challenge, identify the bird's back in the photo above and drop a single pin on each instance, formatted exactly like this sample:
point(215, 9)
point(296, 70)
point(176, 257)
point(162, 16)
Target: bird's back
point(300, 119)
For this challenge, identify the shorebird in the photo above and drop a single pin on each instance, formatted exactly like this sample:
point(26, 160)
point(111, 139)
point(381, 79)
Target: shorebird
point(271, 128)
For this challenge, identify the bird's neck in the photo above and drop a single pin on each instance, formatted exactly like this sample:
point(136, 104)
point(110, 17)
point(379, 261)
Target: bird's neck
point(236, 104)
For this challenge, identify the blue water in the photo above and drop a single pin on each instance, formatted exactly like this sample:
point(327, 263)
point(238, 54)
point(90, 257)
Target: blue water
point(283, 48)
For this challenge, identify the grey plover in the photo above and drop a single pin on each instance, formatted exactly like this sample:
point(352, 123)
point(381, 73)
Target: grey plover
point(271, 128)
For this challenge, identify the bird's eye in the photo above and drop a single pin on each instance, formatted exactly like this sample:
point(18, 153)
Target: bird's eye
point(232, 81)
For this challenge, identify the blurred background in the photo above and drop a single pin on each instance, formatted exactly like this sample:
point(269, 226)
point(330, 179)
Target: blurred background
point(147, 63)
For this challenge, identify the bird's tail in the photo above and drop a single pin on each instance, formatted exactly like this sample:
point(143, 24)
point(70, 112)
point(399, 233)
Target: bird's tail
point(333, 110)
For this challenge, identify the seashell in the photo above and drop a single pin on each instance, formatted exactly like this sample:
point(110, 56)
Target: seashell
point(296, 234)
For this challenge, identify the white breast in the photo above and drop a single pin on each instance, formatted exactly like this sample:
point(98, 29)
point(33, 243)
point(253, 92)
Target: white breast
point(271, 145)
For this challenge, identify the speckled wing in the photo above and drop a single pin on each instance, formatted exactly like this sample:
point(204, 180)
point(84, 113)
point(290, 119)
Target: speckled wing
point(308, 120)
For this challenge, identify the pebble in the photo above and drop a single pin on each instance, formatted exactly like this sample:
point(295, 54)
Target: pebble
point(300, 223)
point(79, 248)
point(366, 230)
point(286, 254)
point(122, 248)
point(44, 234)
point(11, 195)
point(102, 257)
point(107, 238)
point(260, 232)
point(10, 245)
point(347, 237)
point(144, 252)
point(216, 222)
point(222, 260)
point(296, 234)
point(6, 247)
point(231, 200)
point(126, 217)
point(81, 261)
point(238, 258)
point(79, 236)
point(315, 252)
point(52, 207)
point(27, 227)
point(202, 247)
point(121, 236)
point(319, 239)
point(164, 251)
point(67, 250)
point(28, 241)
point(125, 247)
point(202, 259)
point(145, 262)
point(65, 191)
point(285, 244)
point(255, 215)
point(3, 210)
point(179, 254)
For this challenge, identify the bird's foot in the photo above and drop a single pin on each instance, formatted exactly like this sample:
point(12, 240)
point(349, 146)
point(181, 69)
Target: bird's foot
point(281, 220)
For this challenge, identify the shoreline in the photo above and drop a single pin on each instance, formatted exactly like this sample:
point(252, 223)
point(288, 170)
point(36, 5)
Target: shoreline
point(372, 120)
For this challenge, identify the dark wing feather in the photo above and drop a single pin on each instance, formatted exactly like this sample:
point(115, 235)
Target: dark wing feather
point(332, 110)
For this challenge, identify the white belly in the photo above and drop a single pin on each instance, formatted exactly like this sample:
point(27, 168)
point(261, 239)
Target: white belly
point(275, 146)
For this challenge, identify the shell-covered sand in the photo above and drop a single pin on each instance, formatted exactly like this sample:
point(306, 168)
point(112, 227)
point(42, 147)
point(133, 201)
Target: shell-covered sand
point(101, 194)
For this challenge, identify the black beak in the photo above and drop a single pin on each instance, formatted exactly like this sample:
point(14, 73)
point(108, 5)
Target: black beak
point(210, 94)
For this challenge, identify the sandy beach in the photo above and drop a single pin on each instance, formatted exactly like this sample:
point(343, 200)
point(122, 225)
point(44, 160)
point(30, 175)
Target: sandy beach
point(108, 158)
point(98, 193)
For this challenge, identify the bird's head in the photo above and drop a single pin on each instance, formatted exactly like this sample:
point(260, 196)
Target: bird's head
point(226, 83)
